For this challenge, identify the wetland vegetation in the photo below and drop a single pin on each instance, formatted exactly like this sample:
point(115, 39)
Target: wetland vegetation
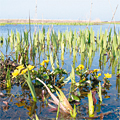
point(78, 70)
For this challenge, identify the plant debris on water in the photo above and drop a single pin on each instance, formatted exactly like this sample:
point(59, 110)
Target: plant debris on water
point(35, 66)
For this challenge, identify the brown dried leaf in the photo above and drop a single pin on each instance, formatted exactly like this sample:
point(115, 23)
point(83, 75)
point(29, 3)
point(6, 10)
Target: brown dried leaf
point(56, 101)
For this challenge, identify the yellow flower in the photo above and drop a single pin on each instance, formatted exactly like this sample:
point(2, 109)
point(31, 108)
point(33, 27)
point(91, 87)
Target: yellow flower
point(81, 66)
point(77, 69)
point(46, 61)
point(23, 71)
point(15, 73)
point(30, 67)
point(96, 70)
point(20, 67)
point(84, 79)
point(99, 74)
point(108, 75)
point(43, 62)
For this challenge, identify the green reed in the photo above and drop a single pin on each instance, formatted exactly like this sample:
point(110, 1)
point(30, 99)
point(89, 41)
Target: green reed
point(83, 42)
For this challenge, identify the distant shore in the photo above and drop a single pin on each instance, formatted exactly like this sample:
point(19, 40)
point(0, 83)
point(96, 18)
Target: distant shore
point(49, 21)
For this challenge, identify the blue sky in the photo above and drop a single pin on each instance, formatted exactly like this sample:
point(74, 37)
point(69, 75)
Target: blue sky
point(60, 9)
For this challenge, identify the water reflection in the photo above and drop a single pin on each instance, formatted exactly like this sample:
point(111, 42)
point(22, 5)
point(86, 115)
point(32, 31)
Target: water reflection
point(118, 86)
point(63, 50)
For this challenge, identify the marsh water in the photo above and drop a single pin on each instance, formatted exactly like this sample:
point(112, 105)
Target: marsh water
point(21, 105)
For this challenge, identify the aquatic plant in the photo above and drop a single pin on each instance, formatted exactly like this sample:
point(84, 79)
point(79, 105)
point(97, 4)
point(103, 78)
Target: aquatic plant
point(64, 104)
point(15, 73)
point(43, 62)
point(90, 103)
point(21, 71)
point(99, 92)
point(108, 75)
point(8, 80)
point(73, 113)
point(80, 67)
point(51, 48)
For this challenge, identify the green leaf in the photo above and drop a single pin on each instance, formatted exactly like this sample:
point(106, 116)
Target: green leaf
point(91, 106)
point(36, 117)
point(99, 93)
point(61, 79)
point(63, 71)
point(77, 72)
point(66, 80)
point(45, 76)
point(73, 113)
point(58, 110)
point(57, 70)
point(2, 56)
point(31, 87)
point(75, 98)
point(51, 60)
point(8, 79)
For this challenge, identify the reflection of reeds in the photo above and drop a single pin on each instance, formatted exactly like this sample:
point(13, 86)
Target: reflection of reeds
point(84, 42)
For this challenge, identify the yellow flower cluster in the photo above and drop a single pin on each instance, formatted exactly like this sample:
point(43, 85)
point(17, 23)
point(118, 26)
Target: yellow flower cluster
point(30, 67)
point(108, 75)
point(21, 70)
point(43, 62)
point(15, 73)
point(80, 67)
point(20, 67)
point(96, 70)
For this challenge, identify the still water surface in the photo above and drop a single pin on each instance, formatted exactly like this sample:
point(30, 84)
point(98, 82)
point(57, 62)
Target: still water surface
point(112, 103)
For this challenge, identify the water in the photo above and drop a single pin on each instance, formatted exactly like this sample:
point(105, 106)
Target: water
point(4, 29)
point(25, 108)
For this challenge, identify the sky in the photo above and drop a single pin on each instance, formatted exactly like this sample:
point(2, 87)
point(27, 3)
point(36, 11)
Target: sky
point(60, 9)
